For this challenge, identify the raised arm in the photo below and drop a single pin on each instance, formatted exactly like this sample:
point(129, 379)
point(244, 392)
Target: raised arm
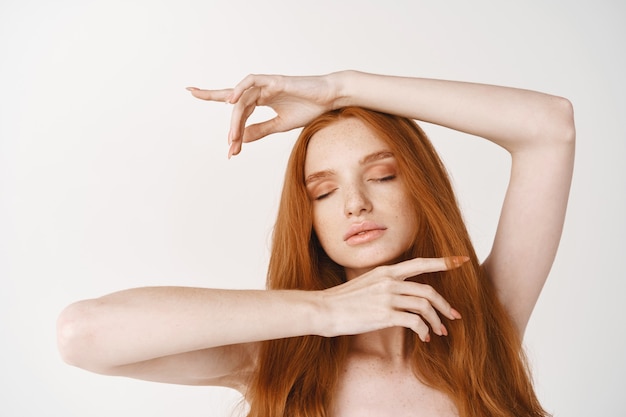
point(536, 129)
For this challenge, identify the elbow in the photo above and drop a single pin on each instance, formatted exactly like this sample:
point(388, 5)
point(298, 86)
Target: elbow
point(75, 334)
point(567, 128)
point(548, 125)
point(557, 124)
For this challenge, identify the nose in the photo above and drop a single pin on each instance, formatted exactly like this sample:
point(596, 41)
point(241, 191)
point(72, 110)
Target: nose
point(356, 202)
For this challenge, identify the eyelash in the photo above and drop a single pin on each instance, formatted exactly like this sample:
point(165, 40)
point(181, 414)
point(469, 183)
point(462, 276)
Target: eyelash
point(383, 179)
point(323, 196)
point(387, 178)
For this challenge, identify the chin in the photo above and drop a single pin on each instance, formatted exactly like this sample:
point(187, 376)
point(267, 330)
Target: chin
point(370, 261)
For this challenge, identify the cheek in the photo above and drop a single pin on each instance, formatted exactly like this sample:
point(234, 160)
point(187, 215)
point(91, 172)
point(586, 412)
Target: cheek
point(323, 225)
point(406, 214)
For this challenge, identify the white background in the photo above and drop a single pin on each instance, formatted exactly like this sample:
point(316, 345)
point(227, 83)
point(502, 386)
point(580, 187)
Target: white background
point(112, 176)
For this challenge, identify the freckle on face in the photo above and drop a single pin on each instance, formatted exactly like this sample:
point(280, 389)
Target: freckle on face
point(340, 150)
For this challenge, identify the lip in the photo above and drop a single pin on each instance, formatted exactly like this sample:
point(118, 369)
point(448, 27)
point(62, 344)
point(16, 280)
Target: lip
point(363, 232)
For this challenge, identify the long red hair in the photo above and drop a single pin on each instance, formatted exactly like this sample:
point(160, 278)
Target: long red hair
point(480, 365)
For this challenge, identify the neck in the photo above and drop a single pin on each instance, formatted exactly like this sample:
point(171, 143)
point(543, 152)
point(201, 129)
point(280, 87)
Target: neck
point(386, 344)
point(354, 273)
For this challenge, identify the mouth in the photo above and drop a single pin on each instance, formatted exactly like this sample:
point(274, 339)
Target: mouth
point(363, 232)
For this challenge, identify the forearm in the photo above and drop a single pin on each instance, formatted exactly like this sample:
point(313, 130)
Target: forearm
point(538, 131)
point(145, 323)
point(513, 118)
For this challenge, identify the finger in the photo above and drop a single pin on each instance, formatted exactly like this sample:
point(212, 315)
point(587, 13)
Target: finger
point(232, 148)
point(242, 86)
point(241, 111)
point(250, 81)
point(211, 95)
point(413, 322)
point(260, 130)
point(417, 266)
point(456, 261)
point(236, 137)
point(417, 291)
point(422, 307)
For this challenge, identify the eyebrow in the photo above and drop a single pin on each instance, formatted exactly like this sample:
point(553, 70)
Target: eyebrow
point(318, 176)
point(368, 159)
point(376, 156)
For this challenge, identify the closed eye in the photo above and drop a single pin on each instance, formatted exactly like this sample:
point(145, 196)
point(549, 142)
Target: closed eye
point(385, 178)
point(323, 196)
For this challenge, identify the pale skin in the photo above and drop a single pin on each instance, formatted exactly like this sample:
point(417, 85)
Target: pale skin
point(202, 336)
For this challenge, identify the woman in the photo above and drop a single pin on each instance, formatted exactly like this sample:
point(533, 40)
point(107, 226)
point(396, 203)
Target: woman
point(376, 302)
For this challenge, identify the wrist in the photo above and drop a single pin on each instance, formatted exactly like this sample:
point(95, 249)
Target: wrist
point(322, 317)
point(341, 83)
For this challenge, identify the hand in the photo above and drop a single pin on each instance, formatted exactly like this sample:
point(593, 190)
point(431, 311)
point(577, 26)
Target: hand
point(296, 101)
point(383, 298)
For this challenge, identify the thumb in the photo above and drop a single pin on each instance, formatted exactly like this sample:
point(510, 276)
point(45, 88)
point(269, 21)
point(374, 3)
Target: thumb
point(260, 130)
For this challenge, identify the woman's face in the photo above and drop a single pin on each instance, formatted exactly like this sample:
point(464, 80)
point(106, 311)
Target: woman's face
point(361, 212)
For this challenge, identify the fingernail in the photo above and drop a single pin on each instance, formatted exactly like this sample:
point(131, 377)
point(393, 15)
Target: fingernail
point(427, 338)
point(192, 89)
point(231, 149)
point(444, 331)
point(455, 314)
point(459, 260)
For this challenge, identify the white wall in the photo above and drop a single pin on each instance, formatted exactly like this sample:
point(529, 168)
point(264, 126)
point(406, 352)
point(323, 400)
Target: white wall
point(112, 176)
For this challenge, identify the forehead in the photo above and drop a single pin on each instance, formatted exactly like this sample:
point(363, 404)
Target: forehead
point(343, 142)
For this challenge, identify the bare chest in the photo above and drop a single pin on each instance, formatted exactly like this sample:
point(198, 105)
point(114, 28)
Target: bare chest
point(373, 388)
